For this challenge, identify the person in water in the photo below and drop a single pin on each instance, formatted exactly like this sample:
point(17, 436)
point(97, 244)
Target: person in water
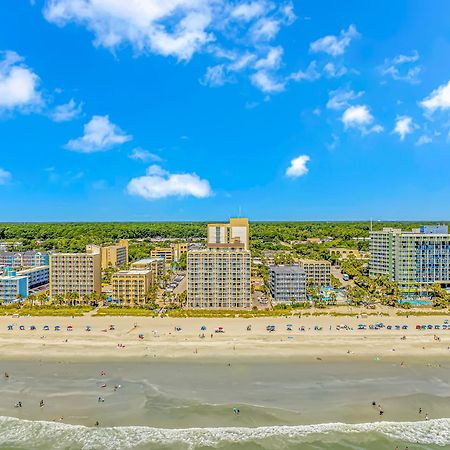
point(236, 410)
point(41, 403)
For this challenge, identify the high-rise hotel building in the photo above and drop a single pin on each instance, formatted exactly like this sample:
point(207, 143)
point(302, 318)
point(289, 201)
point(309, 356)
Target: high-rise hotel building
point(219, 276)
point(415, 259)
point(75, 272)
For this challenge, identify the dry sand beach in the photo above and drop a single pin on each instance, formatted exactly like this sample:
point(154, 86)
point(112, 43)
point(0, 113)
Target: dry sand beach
point(112, 338)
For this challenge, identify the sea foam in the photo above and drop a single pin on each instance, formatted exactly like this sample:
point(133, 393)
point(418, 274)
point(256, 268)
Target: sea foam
point(40, 434)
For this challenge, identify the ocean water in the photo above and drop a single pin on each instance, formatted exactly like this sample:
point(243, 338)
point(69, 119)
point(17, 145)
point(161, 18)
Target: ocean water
point(189, 405)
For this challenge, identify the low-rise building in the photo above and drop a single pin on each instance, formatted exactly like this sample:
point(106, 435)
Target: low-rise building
point(287, 283)
point(178, 249)
point(23, 259)
point(37, 276)
point(163, 252)
point(318, 272)
point(75, 273)
point(13, 287)
point(345, 253)
point(156, 265)
point(131, 286)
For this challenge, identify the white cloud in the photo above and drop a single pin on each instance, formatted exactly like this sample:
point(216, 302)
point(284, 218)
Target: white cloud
point(423, 140)
point(215, 76)
point(99, 135)
point(310, 74)
point(144, 155)
point(360, 117)
point(404, 125)
point(158, 183)
point(298, 167)
point(265, 29)
point(5, 176)
point(272, 60)
point(341, 98)
point(249, 11)
point(66, 112)
point(334, 45)
point(267, 83)
point(333, 71)
point(18, 84)
point(395, 68)
point(438, 99)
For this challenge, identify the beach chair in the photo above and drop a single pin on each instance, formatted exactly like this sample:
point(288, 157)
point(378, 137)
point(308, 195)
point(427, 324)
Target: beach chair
point(22, 328)
point(430, 327)
point(32, 327)
point(404, 327)
point(444, 327)
point(46, 328)
point(57, 328)
point(389, 327)
point(397, 327)
point(437, 327)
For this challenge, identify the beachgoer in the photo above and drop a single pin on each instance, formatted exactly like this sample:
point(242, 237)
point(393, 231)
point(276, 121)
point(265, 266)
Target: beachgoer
point(41, 403)
point(426, 416)
point(420, 410)
point(6, 375)
point(97, 424)
point(374, 404)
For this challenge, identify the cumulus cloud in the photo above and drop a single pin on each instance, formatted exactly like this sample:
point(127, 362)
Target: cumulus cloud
point(424, 140)
point(267, 83)
point(144, 155)
point(158, 183)
point(335, 45)
point(99, 135)
point(361, 118)
point(404, 125)
point(249, 11)
point(67, 111)
point(439, 99)
point(341, 98)
point(310, 74)
point(18, 84)
point(235, 34)
point(5, 176)
point(298, 167)
point(402, 68)
point(331, 70)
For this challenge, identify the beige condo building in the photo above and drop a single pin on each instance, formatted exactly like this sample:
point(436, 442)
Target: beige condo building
point(178, 249)
point(165, 253)
point(131, 286)
point(219, 278)
point(75, 272)
point(236, 231)
point(111, 255)
point(318, 273)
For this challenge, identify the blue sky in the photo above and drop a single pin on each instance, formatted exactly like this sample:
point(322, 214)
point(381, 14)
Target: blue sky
point(201, 109)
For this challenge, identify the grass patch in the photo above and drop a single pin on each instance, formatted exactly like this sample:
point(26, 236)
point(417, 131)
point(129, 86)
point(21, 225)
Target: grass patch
point(125, 311)
point(442, 312)
point(42, 311)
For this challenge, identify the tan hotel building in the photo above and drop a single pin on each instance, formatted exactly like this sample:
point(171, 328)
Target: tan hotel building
point(219, 276)
point(111, 255)
point(237, 230)
point(75, 272)
point(131, 286)
point(318, 272)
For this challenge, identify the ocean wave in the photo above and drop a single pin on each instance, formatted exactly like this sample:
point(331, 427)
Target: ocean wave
point(40, 434)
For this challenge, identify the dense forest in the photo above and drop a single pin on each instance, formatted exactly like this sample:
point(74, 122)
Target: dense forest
point(264, 235)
